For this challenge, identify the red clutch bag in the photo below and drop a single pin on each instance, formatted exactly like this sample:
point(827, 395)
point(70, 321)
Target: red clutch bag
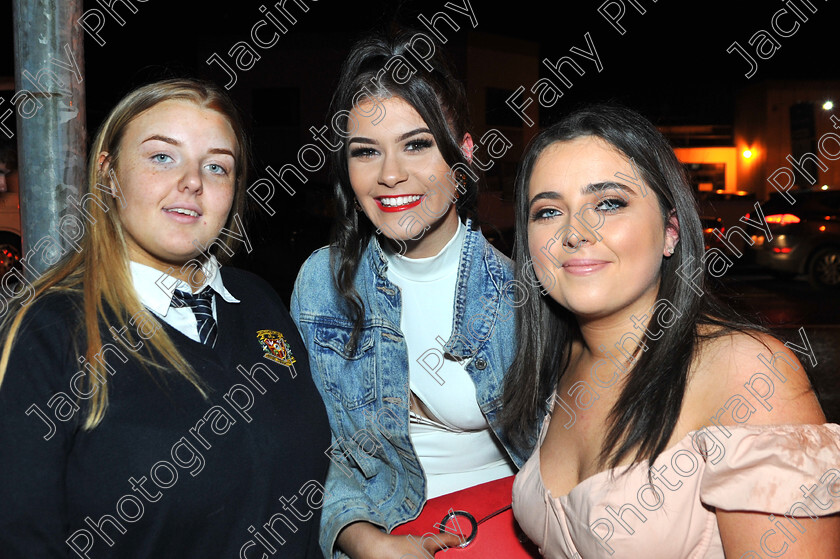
point(481, 516)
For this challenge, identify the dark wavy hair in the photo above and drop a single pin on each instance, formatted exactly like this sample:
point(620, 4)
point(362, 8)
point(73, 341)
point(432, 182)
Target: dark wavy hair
point(645, 414)
point(377, 66)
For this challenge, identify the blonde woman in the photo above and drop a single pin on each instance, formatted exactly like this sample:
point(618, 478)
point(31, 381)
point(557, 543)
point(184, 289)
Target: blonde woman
point(153, 403)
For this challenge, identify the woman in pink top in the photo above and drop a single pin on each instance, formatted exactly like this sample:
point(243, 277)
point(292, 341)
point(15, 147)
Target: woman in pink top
point(677, 429)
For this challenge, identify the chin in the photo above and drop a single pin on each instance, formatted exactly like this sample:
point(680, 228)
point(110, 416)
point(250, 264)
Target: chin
point(589, 307)
point(177, 259)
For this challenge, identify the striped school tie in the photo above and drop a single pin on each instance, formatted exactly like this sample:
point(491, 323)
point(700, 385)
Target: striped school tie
point(202, 307)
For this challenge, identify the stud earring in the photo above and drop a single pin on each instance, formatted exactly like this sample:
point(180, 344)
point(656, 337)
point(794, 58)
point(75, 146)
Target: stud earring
point(671, 251)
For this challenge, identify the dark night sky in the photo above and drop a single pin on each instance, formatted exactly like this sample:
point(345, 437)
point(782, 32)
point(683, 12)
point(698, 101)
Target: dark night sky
point(671, 63)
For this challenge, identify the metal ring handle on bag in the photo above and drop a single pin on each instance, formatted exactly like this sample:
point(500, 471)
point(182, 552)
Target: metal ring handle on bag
point(451, 516)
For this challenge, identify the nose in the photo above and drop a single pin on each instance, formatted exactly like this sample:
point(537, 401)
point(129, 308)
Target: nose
point(191, 180)
point(392, 172)
point(574, 238)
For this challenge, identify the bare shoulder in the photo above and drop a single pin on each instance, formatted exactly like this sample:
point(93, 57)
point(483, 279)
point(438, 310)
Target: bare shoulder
point(755, 378)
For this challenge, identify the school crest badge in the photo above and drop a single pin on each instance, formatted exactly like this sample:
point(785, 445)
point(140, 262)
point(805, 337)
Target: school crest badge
point(275, 347)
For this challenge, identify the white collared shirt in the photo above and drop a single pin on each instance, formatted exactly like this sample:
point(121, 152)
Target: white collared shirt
point(155, 289)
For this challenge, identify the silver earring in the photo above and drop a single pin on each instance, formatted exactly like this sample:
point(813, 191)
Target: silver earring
point(671, 251)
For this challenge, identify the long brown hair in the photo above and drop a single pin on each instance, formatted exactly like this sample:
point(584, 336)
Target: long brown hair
point(440, 100)
point(645, 415)
point(99, 272)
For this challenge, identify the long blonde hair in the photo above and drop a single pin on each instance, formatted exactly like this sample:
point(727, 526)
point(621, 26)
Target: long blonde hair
point(100, 271)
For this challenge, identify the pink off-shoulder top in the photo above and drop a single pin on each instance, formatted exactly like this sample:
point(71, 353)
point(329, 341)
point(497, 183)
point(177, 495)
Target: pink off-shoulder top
point(789, 472)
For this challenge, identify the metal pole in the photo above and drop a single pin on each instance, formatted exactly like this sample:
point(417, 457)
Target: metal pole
point(50, 104)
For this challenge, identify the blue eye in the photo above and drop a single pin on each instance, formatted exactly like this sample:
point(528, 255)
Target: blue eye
point(545, 213)
point(611, 205)
point(161, 158)
point(217, 169)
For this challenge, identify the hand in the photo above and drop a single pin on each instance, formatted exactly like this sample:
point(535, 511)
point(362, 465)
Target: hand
point(400, 546)
point(363, 540)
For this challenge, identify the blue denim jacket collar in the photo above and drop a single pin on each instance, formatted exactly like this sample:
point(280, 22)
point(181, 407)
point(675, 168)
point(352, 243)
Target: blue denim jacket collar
point(475, 252)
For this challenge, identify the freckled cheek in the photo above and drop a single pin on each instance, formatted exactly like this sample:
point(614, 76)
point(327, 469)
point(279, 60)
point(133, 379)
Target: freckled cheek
point(224, 206)
point(135, 198)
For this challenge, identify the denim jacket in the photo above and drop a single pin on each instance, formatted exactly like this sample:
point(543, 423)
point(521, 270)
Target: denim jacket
point(375, 475)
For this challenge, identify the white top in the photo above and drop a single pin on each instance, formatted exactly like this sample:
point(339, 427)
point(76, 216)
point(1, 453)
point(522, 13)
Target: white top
point(155, 289)
point(458, 449)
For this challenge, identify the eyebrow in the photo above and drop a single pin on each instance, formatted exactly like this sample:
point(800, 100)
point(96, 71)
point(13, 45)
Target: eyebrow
point(160, 138)
point(413, 133)
point(174, 142)
point(221, 151)
point(547, 195)
point(405, 136)
point(361, 140)
point(592, 188)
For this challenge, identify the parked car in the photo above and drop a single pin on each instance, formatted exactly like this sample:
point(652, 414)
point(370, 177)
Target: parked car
point(728, 206)
point(806, 236)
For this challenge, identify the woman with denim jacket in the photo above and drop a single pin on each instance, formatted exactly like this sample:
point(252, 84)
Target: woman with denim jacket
point(408, 315)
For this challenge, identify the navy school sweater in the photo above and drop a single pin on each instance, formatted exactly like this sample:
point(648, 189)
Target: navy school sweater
point(167, 473)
